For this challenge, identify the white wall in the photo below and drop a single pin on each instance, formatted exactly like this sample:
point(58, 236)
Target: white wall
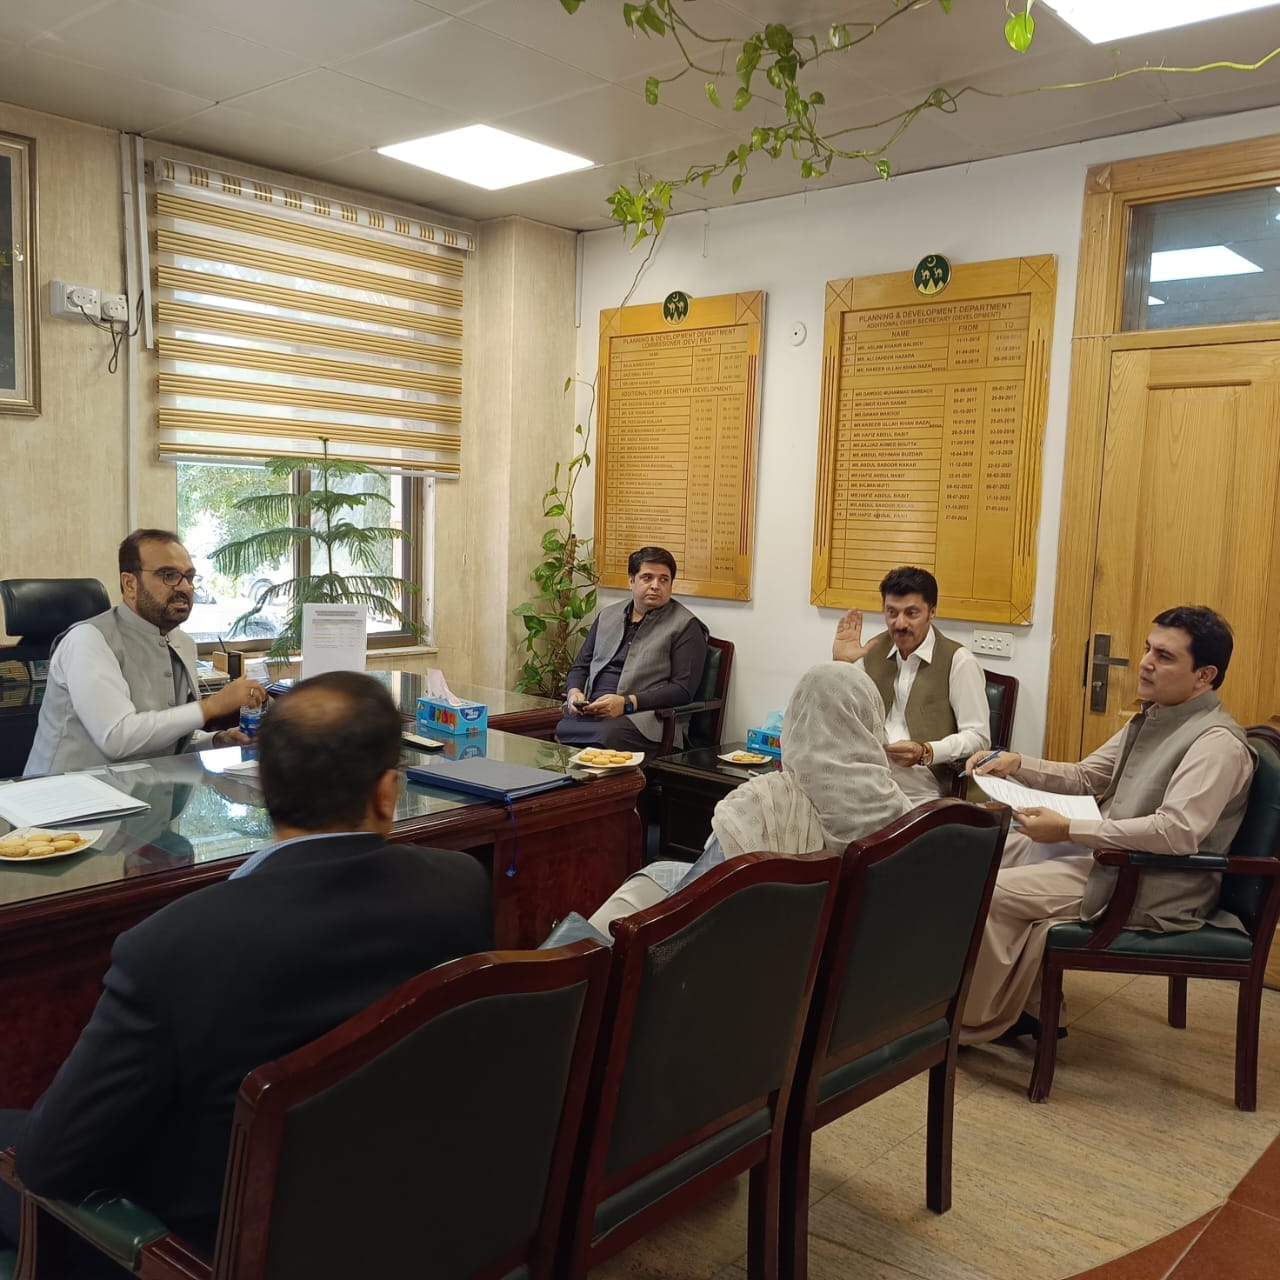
point(790, 247)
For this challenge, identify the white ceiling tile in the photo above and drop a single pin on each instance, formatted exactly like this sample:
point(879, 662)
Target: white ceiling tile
point(313, 30)
point(43, 82)
point(368, 171)
point(132, 39)
point(606, 125)
point(596, 37)
point(246, 135)
point(362, 114)
point(21, 20)
point(468, 70)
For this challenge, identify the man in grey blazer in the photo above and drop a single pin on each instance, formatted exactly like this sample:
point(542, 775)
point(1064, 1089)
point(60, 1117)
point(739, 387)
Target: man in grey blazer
point(122, 685)
point(642, 654)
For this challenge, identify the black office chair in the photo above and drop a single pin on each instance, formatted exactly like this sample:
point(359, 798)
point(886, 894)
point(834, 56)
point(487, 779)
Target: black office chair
point(41, 609)
point(1002, 701)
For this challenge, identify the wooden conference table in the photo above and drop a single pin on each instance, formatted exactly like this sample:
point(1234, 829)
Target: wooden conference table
point(566, 849)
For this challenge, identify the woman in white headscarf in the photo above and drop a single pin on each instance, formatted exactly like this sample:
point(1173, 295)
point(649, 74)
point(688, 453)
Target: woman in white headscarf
point(834, 787)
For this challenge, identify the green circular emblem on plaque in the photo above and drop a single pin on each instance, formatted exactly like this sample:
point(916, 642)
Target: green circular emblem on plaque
point(932, 274)
point(675, 307)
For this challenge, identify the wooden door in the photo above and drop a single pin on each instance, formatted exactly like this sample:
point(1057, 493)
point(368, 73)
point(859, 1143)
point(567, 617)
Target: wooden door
point(1187, 515)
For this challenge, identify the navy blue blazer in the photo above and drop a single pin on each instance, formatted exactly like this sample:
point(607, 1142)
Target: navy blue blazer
point(225, 980)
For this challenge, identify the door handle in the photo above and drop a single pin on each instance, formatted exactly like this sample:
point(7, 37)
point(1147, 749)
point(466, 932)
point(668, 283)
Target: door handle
point(1099, 684)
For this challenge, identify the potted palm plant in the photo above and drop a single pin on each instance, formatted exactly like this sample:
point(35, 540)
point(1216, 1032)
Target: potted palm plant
point(325, 517)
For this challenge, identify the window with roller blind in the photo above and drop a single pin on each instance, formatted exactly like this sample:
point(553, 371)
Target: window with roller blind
point(282, 320)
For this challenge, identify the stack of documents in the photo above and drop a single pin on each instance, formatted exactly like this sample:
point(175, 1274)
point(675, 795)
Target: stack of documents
point(69, 797)
point(1016, 796)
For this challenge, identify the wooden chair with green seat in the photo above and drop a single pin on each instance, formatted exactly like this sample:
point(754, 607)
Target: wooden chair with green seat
point(1002, 702)
point(910, 907)
point(1250, 890)
point(707, 997)
point(433, 1133)
point(703, 718)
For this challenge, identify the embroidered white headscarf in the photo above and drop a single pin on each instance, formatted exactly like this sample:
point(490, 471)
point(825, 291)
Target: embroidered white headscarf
point(834, 786)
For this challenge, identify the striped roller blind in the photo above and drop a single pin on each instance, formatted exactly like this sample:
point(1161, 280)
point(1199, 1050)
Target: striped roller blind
point(283, 319)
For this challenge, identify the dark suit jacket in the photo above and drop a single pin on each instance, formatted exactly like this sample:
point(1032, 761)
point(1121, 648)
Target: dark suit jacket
point(223, 981)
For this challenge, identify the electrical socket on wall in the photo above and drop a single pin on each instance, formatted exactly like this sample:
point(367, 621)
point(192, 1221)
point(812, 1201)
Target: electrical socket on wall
point(74, 300)
point(115, 306)
point(995, 644)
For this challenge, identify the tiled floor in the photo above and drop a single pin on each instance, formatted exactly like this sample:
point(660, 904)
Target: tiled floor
point(1138, 1167)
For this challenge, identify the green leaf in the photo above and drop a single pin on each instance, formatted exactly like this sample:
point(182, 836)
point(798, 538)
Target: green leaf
point(713, 94)
point(651, 91)
point(806, 168)
point(737, 182)
point(568, 382)
point(571, 6)
point(946, 5)
point(779, 38)
point(883, 168)
point(817, 99)
point(1019, 30)
point(706, 176)
point(555, 509)
point(630, 12)
point(741, 98)
point(838, 35)
point(552, 541)
point(774, 76)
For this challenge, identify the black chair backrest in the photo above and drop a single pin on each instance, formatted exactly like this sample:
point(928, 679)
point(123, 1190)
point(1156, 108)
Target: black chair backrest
point(704, 729)
point(1259, 834)
point(431, 1126)
point(912, 898)
point(1002, 701)
point(715, 984)
point(39, 609)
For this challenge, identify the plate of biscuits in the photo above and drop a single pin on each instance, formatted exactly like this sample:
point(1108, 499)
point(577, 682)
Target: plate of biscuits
point(746, 757)
point(604, 758)
point(39, 844)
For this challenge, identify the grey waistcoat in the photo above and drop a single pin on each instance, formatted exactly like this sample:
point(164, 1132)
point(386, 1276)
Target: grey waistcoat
point(648, 660)
point(1153, 747)
point(62, 743)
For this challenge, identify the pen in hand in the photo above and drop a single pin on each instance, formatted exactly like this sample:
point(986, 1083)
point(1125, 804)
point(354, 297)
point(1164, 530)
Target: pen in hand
point(964, 773)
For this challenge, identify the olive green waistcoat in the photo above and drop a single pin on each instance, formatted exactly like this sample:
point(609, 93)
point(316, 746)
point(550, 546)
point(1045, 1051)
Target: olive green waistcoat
point(928, 712)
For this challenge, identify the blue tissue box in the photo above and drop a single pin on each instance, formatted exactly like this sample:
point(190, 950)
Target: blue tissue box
point(437, 716)
point(769, 744)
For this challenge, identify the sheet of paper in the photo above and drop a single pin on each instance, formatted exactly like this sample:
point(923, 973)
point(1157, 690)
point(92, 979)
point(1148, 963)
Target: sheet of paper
point(333, 638)
point(1016, 796)
point(69, 797)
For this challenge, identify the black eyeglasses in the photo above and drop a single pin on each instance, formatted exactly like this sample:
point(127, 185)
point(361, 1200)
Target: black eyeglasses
point(171, 577)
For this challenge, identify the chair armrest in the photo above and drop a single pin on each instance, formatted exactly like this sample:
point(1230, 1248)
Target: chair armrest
point(116, 1226)
point(7, 1173)
point(684, 709)
point(1162, 861)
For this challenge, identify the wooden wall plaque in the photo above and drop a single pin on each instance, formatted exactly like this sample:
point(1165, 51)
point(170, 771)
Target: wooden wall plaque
point(931, 437)
point(676, 451)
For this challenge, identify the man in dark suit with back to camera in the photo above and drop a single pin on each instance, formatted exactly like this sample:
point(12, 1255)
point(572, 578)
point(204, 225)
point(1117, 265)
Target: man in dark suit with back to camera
point(304, 935)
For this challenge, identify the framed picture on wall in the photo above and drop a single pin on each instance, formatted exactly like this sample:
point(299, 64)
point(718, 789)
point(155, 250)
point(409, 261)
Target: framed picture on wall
point(19, 344)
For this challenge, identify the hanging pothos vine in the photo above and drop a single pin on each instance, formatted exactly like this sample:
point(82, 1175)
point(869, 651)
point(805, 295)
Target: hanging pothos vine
point(774, 65)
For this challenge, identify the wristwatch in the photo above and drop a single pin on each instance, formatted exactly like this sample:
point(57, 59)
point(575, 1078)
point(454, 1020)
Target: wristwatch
point(628, 704)
point(926, 754)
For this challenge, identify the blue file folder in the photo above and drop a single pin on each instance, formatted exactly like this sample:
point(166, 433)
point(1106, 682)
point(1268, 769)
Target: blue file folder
point(490, 779)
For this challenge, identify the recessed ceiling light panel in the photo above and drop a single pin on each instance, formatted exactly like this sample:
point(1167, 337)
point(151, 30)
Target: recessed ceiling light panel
point(1199, 264)
point(485, 157)
point(1102, 20)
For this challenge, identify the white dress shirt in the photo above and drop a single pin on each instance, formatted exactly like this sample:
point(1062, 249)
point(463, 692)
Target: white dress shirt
point(967, 689)
point(84, 664)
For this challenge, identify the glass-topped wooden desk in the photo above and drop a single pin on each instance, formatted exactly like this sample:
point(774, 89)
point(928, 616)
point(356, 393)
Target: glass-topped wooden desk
point(565, 850)
point(522, 713)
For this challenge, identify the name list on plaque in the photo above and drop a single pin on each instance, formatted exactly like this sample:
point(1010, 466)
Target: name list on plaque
point(675, 455)
point(930, 444)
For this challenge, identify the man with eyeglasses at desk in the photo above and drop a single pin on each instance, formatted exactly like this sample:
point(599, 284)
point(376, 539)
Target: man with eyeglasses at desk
point(123, 685)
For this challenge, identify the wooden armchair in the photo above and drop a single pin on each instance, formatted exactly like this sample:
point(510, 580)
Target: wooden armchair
point(1002, 701)
point(432, 1133)
point(910, 908)
point(1250, 890)
point(703, 718)
point(708, 994)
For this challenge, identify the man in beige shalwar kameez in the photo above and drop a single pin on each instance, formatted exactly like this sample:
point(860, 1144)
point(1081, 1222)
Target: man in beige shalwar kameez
point(1174, 780)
